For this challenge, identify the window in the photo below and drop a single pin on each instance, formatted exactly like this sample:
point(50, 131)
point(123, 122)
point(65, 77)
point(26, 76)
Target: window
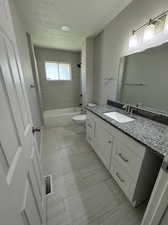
point(57, 71)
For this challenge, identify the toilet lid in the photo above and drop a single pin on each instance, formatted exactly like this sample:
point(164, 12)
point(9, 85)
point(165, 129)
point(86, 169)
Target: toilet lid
point(80, 117)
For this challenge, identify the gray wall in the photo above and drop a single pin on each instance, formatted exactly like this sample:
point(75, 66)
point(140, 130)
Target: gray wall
point(151, 68)
point(59, 94)
point(111, 44)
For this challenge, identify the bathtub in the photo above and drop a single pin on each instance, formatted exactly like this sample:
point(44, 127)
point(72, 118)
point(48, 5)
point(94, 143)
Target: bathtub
point(60, 117)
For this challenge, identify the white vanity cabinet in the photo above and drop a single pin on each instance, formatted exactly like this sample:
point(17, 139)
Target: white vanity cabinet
point(133, 167)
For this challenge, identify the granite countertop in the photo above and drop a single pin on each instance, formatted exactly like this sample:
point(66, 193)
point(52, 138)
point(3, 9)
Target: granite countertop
point(152, 134)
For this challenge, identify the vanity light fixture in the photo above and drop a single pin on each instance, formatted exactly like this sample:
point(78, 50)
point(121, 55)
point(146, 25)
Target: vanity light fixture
point(166, 24)
point(133, 40)
point(149, 31)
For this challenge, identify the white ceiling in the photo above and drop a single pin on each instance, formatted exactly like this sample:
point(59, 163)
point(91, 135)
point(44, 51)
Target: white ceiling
point(44, 19)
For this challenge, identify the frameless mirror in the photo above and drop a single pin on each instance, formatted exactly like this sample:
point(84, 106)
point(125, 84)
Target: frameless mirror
point(143, 79)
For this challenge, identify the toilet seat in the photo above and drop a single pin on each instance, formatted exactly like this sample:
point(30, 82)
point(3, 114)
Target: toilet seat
point(80, 118)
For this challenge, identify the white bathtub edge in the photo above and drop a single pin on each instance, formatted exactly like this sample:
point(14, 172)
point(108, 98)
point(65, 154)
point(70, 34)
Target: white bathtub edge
point(60, 117)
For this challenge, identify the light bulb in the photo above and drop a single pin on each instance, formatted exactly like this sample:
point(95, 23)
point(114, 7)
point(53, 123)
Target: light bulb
point(149, 32)
point(166, 25)
point(133, 41)
point(65, 28)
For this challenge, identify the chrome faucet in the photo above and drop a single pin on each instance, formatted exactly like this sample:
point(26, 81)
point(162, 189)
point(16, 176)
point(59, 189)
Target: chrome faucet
point(127, 108)
point(139, 104)
point(131, 111)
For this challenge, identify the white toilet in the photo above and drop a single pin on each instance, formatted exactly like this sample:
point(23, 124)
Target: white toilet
point(80, 119)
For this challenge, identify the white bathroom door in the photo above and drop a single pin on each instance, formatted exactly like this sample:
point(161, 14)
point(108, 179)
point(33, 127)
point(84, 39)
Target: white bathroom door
point(22, 197)
point(157, 209)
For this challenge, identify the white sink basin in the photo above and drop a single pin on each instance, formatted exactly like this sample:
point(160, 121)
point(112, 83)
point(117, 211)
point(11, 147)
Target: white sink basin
point(119, 117)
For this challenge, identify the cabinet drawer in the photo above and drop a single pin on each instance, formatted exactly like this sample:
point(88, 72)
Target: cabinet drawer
point(124, 180)
point(125, 155)
point(130, 143)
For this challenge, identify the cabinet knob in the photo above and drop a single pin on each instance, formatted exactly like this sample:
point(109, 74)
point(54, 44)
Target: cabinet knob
point(122, 157)
point(109, 142)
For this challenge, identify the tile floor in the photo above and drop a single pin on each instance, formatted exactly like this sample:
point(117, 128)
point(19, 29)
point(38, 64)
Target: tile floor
point(84, 193)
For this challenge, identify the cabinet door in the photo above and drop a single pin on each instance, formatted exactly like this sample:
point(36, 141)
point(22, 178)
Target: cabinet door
point(103, 144)
point(90, 131)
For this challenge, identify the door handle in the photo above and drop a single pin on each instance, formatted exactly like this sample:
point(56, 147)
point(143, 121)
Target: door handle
point(32, 85)
point(122, 157)
point(35, 129)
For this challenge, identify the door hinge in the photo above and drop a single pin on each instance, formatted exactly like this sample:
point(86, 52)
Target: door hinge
point(35, 129)
point(165, 166)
